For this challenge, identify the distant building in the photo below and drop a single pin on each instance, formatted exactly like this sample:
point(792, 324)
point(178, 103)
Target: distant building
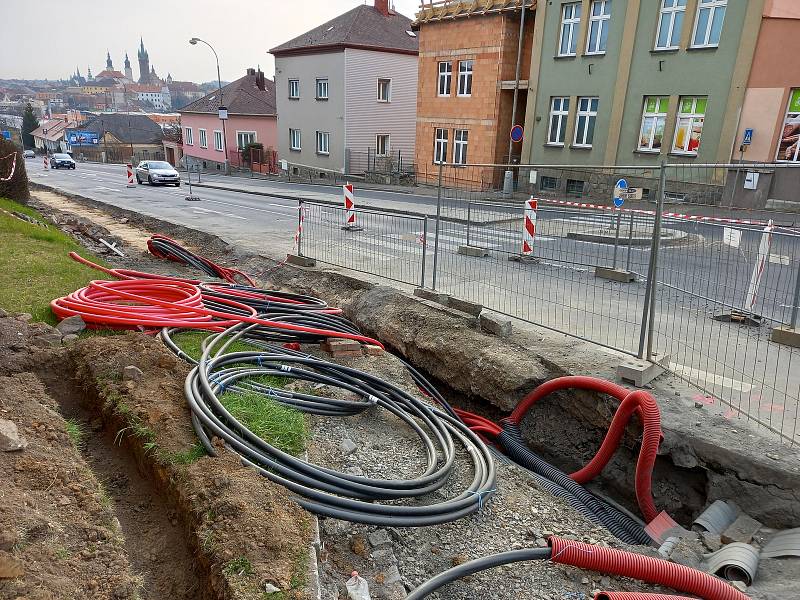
point(347, 91)
point(252, 117)
point(50, 135)
point(128, 70)
point(145, 73)
point(112, 137)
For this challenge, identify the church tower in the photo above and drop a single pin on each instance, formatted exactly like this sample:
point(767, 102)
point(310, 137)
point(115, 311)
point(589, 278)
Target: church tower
point(144, 64)
point(128, 70)
point(109, 64)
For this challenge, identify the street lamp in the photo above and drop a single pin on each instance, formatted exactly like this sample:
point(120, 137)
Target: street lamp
point(223, 113)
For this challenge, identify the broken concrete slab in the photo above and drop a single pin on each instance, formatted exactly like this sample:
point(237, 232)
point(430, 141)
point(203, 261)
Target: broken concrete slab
point(465, 306)
point(495, 325)
point(741, 530)
point(300, 261)
point(10, 437)
point(432, 295)
point(619, 275)
point(473, 251)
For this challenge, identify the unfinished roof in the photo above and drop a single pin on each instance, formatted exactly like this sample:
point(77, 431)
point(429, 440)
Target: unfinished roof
point(363, 27)
point(441, 10)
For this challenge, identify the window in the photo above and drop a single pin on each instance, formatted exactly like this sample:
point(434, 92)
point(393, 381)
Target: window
point(245, 137)
point(584, 125)
point(322, 89)
point(708, 27)
point(382, 144)
point(559, 111)
point(460, 140)
point(323, 142)
point(599, 21)
point(575, 187)
point(654, 119)
point(294, 139)
point(440, 146)
point(689, 128)
point(548, 183)
point(384, 90)
point(670, 22)
point(294, 89)
point(203, 138)
point(465, 77)
point(445, 77)
point(789, 146)
point(218, 140)
point(188, 138)
point(570, 26)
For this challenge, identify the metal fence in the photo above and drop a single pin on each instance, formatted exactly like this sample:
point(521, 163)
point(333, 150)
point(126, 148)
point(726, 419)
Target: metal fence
point(708, 288)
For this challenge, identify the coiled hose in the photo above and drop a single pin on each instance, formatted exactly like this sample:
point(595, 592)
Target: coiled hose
point(637, 596)
point(603, 560)
point(265, 301)
point(161, 246)
point(325, 491)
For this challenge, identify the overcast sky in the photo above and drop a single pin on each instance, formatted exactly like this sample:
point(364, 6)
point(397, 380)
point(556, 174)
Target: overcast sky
point(52, 37)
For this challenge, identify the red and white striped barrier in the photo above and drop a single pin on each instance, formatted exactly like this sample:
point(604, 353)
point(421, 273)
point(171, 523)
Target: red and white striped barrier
point(13, 157)
point(758, 270)
point(529, 227)
point(46, 162)
point(130, 176)
point(350, 209)
point(640, 211)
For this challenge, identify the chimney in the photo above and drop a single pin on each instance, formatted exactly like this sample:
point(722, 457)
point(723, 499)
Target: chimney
point(260, 81)
point(382, 6)
point(251, 71)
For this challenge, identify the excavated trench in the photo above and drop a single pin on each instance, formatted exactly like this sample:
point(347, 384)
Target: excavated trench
point(158, 541)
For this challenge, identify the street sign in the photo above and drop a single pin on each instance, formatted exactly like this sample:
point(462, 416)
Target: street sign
point(6, 134)
point(748, 137)
point(517, 133)
point(223, 113)
point(619, 190)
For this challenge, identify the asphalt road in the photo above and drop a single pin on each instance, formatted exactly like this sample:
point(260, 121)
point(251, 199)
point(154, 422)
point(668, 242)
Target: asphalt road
point(707, 273)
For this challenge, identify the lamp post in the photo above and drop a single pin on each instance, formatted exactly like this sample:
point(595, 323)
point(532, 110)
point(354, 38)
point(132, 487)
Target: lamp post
point(223, 114)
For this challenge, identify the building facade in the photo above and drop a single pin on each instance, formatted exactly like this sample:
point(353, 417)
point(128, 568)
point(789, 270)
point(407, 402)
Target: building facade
point(467, 75)
point(252, 118)
point(347, 91)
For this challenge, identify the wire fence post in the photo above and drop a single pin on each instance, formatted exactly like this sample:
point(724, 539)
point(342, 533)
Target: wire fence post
point(644, 338)
point(796, 301)
point(654, 260)
point(424, 249)
point(469, 219)
point(438, 221)
point(299, 228)
point(616, 237)
point(630, 245)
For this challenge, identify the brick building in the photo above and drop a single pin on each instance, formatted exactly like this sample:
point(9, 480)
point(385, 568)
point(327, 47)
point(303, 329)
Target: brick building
point(467, 74)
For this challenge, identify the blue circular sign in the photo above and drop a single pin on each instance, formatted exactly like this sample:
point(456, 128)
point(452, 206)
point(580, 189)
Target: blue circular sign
point(618, 202)
point(517, 133)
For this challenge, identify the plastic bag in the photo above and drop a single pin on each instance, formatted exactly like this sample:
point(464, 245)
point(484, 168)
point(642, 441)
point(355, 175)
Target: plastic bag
point(357, 588)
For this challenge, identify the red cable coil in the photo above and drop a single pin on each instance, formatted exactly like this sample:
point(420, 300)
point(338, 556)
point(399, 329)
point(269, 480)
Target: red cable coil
point(638, 596)
point(645, 568)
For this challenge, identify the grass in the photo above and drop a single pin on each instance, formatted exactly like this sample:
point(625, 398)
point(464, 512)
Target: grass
point(276, 424)
point(191, 342)
point(187, 457)
point(35, 266)
point(238, 566)
point(76, 432)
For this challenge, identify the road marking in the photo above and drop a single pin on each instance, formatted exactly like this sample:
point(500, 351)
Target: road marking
point(712, 378)
point(233, 216)
point(779, 259)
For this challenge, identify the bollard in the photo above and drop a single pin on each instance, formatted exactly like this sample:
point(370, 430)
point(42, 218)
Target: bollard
point(130, 176)
point(350, 209)
point(46, 163)
point(528, 233)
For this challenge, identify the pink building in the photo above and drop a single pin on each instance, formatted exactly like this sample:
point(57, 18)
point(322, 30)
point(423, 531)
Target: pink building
point(252, 118)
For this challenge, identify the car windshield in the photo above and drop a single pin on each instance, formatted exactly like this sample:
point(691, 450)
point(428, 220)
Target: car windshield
point(61, 156)
point(160, 165)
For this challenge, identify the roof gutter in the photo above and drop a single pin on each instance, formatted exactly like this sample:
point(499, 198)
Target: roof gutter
point(339, 48)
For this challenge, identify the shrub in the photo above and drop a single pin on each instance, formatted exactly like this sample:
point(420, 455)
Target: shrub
point(17, 187)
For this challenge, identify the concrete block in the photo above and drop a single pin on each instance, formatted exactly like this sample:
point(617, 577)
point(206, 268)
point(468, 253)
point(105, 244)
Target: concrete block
point(300, 261)
point(372, 350)
point(786, 336)
point(471, 308)
point(614, 274)
point(498, 326)
point(473, 251)
point(640, 372)
point(741, 530)
point(432, 295)
point(521, 258)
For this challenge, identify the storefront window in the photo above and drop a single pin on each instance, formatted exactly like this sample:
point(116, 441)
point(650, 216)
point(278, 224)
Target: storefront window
point(789, 147)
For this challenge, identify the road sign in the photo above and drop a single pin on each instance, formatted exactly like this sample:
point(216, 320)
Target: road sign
point(223, 113)
point(748, 137)
point(619, 191)
point(6, 134)
point(517, 133)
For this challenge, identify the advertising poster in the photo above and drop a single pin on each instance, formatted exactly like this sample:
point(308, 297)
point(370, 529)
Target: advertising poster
point(789, 146)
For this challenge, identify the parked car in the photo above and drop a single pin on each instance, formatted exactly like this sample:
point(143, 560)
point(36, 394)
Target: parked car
point(61, 161)
point(157, 172)
point(29, 154)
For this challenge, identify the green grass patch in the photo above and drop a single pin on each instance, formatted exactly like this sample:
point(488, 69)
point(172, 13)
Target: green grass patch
point(276, 424)
point(186, 457)
point(76, 432)
point(238, 566)
point(191, 342)
point(34, 264)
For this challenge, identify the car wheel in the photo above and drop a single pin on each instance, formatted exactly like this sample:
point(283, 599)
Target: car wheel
point(150, 180)
point(138, 180)
point(178, 184)
point(72, 167)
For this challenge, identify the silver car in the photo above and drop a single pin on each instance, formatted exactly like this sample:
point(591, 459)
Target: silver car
point(157, 172)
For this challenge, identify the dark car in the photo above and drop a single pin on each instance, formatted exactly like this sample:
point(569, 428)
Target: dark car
point(61, 161)
point(157, 172)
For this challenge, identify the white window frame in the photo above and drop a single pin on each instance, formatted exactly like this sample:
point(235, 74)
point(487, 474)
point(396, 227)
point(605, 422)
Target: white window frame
point(460, 146)
point(239, 133)
point(445, 79)
point(603, 22)
point(324, 86)
point(292, 145)
point(656, 116)
point(691, 117)
point(674, 11)
point(589, 114)
point(465, 71)
point(440, 144)
point(219, 142)
point(712, 6)
point(561, 116)
point(188, 136)
point(294, 89)
point(387, 146)
point(570, 25)
point(388, 82)
point(202, 136)
point(323, 143)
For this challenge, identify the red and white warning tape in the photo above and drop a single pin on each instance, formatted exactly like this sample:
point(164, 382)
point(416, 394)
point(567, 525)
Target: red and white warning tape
point(13, 156)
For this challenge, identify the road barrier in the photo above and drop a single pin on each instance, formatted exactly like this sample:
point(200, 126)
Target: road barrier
point(131, 183)
point(46, 162)
point(529, 227)
point(350, 209)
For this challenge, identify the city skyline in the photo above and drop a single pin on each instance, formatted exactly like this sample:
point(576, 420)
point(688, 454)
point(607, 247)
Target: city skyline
point(167, 40)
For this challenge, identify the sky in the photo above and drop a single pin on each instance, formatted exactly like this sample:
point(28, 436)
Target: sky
point(52, 37)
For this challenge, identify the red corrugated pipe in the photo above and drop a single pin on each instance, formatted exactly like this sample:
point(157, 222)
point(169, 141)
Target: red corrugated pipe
point(638, 596)
point(645, 568)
